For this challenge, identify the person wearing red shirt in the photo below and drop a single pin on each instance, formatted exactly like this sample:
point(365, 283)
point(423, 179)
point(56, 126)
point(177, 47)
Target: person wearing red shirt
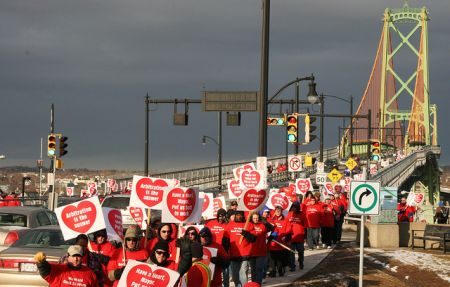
point(405, 212)
point(218, 225)
point(160, 256)
point(104, 250)
point(131, 249)
point(297, 220)
point(313, 213)
point(221, 260)
point(165, 233)
point(238, 249)
point(70, 274)
point(258, 259)
point(327, 223)
point(282, 233)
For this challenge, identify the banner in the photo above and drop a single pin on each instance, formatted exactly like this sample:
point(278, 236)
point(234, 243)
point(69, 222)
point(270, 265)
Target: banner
point(237, 171)
point(84, 217)
point(207, 206)
point(181, 205)
point(92, 188)
point(139, 215)
point(234, 189)
point(139, 274)
point(69, 190)
point(113, 222)
point(253, 199)
point(253, 179)
point(147, 192)
point(218, 203)
point(303, 185)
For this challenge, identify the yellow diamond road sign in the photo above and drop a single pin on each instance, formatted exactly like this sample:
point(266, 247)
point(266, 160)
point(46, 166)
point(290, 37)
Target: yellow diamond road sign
point(335, 175)
point(351, 163)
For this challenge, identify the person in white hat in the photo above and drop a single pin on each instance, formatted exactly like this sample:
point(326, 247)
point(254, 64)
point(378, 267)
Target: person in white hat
point(73, 273)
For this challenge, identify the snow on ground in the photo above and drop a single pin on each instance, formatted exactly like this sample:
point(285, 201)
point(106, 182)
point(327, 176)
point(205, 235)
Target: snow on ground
point(423, 261)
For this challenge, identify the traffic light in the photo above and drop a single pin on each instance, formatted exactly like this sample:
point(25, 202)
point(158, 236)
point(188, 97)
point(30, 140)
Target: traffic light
point(292, 128)
point(51, 145)
point(62, 146)
point(376, 150)
point(276, 121)
point(309, 129)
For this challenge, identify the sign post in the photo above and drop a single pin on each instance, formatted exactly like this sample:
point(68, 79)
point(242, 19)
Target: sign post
point(364, 200)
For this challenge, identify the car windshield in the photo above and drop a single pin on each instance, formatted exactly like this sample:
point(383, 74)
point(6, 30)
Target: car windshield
point(43, 239)
point(116, 202)
point(10, 219)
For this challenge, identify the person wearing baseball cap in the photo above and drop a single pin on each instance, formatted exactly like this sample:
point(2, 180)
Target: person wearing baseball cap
point(72, 273)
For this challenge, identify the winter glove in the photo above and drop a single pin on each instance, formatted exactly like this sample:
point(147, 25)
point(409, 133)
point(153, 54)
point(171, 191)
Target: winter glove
point(40, 257)
point(247, 235)
point(269, 227)
point(103, 259)
point(118, 273)
point(274, 234)
point(288, 237)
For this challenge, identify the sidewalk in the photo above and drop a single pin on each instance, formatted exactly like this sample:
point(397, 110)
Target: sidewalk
point(312, 259)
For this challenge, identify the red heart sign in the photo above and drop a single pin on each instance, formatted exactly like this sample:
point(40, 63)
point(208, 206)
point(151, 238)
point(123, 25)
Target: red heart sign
point(235, 187)
point(242, 168)
point(338, 188)
point(254, 198)
point(81, 217)
point(142, 275)
point(138, 216)
point(217, 205)
point(181, 203)
point(150, 192)
point(303, 185)
point(250, 179)
point(279, 200)
point(205, 202)
point(115, 220)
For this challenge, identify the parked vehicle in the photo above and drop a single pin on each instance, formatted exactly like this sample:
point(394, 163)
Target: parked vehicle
point(15, 219)
point(17, 267)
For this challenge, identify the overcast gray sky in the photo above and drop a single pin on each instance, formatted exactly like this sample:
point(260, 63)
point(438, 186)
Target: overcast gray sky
point(96, 60)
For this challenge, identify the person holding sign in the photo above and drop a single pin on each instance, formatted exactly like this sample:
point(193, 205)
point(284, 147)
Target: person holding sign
point(221, 261)
point(238, 250)
point(405, 212)
point(259, 247)
point(73, 273)
point(131, 250)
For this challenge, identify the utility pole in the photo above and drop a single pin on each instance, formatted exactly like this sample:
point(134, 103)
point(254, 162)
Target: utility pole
point(264, 81)
point(146, 135)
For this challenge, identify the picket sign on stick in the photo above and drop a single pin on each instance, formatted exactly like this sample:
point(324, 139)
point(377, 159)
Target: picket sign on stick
point(81, 217)
point(252, 200)
point(146, 275)
point(148, 192)
point(113, 223)
point(284, 246)
point(147, 230)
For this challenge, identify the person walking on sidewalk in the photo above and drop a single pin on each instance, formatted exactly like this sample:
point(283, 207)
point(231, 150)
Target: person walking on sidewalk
point(313, 213)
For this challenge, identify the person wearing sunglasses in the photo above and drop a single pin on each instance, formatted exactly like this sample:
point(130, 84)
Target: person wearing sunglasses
point(133, 250)
point(192, 234)
point(165, 234)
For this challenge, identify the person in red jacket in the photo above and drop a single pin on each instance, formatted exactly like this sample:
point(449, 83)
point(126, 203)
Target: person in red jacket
point(258, 260)
point(297, 220)
point(405, 212)
point(199, 275)
point(221, 260)
point(73, 273)
point(104, 250)
point(236, 243)
point(313, 213)
point(282, 233)
point(340, 210)
point(165, 233)
point(217, 227)
point(327, 223)
point(160, 256)
point(131, 250)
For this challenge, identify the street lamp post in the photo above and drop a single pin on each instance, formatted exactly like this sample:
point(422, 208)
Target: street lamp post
point(218, 142)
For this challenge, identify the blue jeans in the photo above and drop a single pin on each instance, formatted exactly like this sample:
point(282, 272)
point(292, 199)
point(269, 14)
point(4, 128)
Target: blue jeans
point(313, 237)
point(300, 247)
point(226, 277)
point(258, 266)
point(239, 272)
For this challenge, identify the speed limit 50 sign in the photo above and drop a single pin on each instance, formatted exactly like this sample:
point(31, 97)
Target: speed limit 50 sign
point(321, 178)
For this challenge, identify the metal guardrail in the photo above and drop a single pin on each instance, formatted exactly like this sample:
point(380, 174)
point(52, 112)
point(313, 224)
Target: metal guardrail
point(398, 172)
point(207, 177)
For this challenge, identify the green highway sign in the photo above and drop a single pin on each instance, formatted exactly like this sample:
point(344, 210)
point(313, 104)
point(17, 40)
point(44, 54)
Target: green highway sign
point(364, 198)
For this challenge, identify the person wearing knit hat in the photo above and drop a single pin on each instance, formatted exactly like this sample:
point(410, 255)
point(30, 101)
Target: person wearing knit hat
point(221, 260)
point(217, 227)
point(133, 251)
point(199, 275)
point(165, 233)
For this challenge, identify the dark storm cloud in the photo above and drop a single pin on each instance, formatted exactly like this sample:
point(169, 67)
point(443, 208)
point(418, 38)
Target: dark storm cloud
point(96, 60)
